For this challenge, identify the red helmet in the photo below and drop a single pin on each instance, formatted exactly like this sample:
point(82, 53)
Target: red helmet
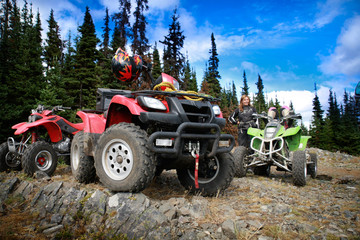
point(124, 67)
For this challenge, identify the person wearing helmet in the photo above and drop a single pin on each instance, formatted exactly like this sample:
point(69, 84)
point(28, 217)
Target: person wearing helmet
point(285, 112)
point(124, 67)
point(242, 116)
point(273, 113)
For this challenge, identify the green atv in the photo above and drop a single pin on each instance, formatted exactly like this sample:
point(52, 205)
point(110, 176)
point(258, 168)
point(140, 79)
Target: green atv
point(277, 145)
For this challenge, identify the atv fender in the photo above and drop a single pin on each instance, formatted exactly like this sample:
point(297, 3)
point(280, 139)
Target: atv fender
point(255, 132)
point(94, 125)
point(53, 129)
point(303, 142)
point(291, 131)
point(121, 109)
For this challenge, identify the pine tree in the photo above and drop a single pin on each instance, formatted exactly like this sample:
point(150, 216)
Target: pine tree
point(317, 124)
point(245, 89)
point(234, 98)
point(140, 42)
point(213, 77)
point(173, 43)
point(156, 66)
point(193, 83)
point(54, 45)
point(122, 25)
point(187, 75)
point(259, 102)
point(86, 56)
point(104, 72)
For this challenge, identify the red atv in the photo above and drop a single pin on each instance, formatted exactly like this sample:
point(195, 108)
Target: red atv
point(149, 131)
point(43, 138)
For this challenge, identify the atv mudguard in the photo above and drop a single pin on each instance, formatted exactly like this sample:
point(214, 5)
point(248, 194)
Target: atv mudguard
point(122, 108)
point(303, 142)
point(291, 131)
point(255, 132)
point(93, 123)
point(52, 128)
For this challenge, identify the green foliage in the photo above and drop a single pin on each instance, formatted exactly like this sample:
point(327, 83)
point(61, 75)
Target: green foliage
point(173, 59)
point(156, 64)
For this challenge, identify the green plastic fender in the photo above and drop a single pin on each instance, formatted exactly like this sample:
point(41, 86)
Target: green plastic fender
point(291, 131)
point(255, 132)
point(303, 142)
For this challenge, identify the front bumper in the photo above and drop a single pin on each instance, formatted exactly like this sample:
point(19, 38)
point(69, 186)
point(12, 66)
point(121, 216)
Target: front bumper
point(208, 135)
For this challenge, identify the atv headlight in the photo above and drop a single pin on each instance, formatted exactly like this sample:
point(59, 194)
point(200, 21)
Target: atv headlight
point(269, 132)
point(150, 103)
point(216, 110)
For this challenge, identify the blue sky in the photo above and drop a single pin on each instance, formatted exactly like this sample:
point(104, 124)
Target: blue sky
point(291, 44)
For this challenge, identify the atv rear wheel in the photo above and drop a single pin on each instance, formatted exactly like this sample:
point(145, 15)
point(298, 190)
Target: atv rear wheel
point(214, 176)
point(299, 168)
point(123, 161)
point(39, 156)
point(312, 167)
point(82, 166)
point(239, 157)
point(8, 160)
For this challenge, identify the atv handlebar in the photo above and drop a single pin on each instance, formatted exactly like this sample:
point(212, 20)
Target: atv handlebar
point(264, 116)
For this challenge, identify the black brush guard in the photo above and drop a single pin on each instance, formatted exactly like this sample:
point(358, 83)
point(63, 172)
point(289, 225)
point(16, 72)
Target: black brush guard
point(188, 131)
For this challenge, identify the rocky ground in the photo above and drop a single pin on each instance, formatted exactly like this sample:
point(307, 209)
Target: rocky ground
point(253, 207)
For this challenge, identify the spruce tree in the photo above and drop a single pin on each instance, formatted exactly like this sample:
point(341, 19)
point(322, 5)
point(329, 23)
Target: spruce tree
point(193, 83)
point(173, 59)
point(54, 45)
point(259, 102)
point(85, 85)
point(234, 98)
point(104, 72)
point(245, 89)
point(213, 77)
point(140, 42)
point(122, 25)
point(187, 75)
point(317, 124)
point(156, 64)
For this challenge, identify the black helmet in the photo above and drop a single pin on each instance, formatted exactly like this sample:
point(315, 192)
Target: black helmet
point(124, 67)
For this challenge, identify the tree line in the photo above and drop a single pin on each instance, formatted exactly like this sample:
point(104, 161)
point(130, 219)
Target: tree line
point(55, 71)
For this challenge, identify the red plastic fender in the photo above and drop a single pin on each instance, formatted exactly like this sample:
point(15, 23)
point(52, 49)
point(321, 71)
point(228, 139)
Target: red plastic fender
point(115, 116)
point(93, 123)
point(52, 128)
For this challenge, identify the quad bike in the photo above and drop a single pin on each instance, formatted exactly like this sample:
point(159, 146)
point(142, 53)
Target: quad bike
point(149, 131)
point(43, 138)
point(279, 146)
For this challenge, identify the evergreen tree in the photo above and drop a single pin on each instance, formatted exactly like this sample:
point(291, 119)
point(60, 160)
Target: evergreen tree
point(122, 25)
point(259, 102)
point(333, 121)
point(104, 71)
point(54, 45)
point(140, 42)
point(317, 124)
point(193, 83)
point(173, 43)
point(245, 89)
point(86, 56)
point(213, 77)
point(187, 75)
point(156, 66)
point(234, 98)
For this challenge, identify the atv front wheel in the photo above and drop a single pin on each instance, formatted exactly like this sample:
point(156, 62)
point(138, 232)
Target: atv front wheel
point(123, 161)
point(8, 160)
point(82, 166)
point(312, 167)
point(39, 156)
point(299, 168)
point(239, 157)
point(214, 175)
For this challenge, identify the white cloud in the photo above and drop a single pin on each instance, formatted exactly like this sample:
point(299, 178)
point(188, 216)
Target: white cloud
point(327, 12)
point(346, 57)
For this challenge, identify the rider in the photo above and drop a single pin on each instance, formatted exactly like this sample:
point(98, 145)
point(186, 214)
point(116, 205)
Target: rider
point(285, 111)
point(242, 116)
